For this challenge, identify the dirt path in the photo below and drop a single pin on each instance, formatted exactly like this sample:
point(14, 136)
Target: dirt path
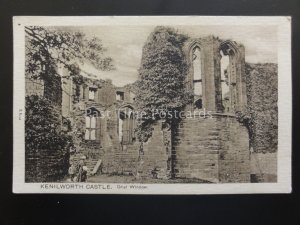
point(103, 178)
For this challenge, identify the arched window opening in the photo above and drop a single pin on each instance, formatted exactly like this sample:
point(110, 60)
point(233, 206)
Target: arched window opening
point(230, 98)
point(126, 126)
point(225, 81)
point(120, 96)
point(120, 127)
point(87, 127)
point(197, 72)
point(133, 126)
point(92, 93)
point(92, 124)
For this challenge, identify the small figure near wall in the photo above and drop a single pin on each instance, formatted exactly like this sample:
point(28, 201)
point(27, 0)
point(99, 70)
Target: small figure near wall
point(82, 170)
point(72, 171)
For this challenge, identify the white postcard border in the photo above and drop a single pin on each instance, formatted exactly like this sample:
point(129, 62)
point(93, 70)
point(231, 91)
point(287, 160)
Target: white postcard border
point(284, 107)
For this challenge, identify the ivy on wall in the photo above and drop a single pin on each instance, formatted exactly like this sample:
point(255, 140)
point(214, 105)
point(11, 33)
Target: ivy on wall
point(262, 95)
point(46, 145)
point(161, 89)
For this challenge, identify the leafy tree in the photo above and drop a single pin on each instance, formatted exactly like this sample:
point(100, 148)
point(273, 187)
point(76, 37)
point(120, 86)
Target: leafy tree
point(46, 146)
point(161, 89)
point(46, 48)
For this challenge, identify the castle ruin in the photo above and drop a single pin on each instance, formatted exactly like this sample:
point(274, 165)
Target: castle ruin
point(214, 149)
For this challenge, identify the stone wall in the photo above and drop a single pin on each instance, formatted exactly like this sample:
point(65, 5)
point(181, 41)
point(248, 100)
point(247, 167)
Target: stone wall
point(115, 157)
point(127, 94)
point(46, 165)
point(155, 158)
point(121, 161)
point(92, 149)
point(153, 161)
point(234, 159)
point(107, 94)
point(214, 149)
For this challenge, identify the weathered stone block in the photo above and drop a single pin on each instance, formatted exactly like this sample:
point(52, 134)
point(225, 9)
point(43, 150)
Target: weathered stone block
point(220, 155)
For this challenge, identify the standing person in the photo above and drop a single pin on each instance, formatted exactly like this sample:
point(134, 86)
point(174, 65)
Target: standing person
point(72, 171)
point(84, 174)
point(81, 172)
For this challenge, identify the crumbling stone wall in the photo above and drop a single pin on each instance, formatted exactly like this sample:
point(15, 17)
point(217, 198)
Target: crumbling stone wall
point(213, 149)
point(116, 158)
point(122, 161)
point(127, 93)
point(216, 148)
point(155, 157)
point(106, 140)
point(234, 159)
point(45, 165)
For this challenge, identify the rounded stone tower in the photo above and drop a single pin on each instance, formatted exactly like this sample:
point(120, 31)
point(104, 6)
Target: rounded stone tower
point(210, 143)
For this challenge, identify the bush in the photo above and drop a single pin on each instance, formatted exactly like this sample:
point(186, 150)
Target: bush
point(46, 145)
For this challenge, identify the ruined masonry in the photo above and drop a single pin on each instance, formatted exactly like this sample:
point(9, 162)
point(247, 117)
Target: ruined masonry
point(213, 149)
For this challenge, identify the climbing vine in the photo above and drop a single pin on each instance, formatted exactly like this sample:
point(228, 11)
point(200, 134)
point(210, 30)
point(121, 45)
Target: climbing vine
point(262, 112)
point(44, 140)
point(161, 89)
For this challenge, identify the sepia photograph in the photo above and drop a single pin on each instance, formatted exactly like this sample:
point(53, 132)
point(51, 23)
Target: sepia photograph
point(144, 105)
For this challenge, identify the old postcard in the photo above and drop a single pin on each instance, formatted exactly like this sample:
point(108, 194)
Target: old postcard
point(152, 105)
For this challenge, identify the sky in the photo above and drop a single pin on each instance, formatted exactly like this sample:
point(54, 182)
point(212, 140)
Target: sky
point(124, 44)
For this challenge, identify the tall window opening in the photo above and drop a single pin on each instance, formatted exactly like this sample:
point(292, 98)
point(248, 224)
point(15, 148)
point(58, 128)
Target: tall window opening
point(225, 81)
point(122, 117)
point(197, 79)
point(120, 96)
point(92, 93)
point(92, 124)
point(126, 126)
